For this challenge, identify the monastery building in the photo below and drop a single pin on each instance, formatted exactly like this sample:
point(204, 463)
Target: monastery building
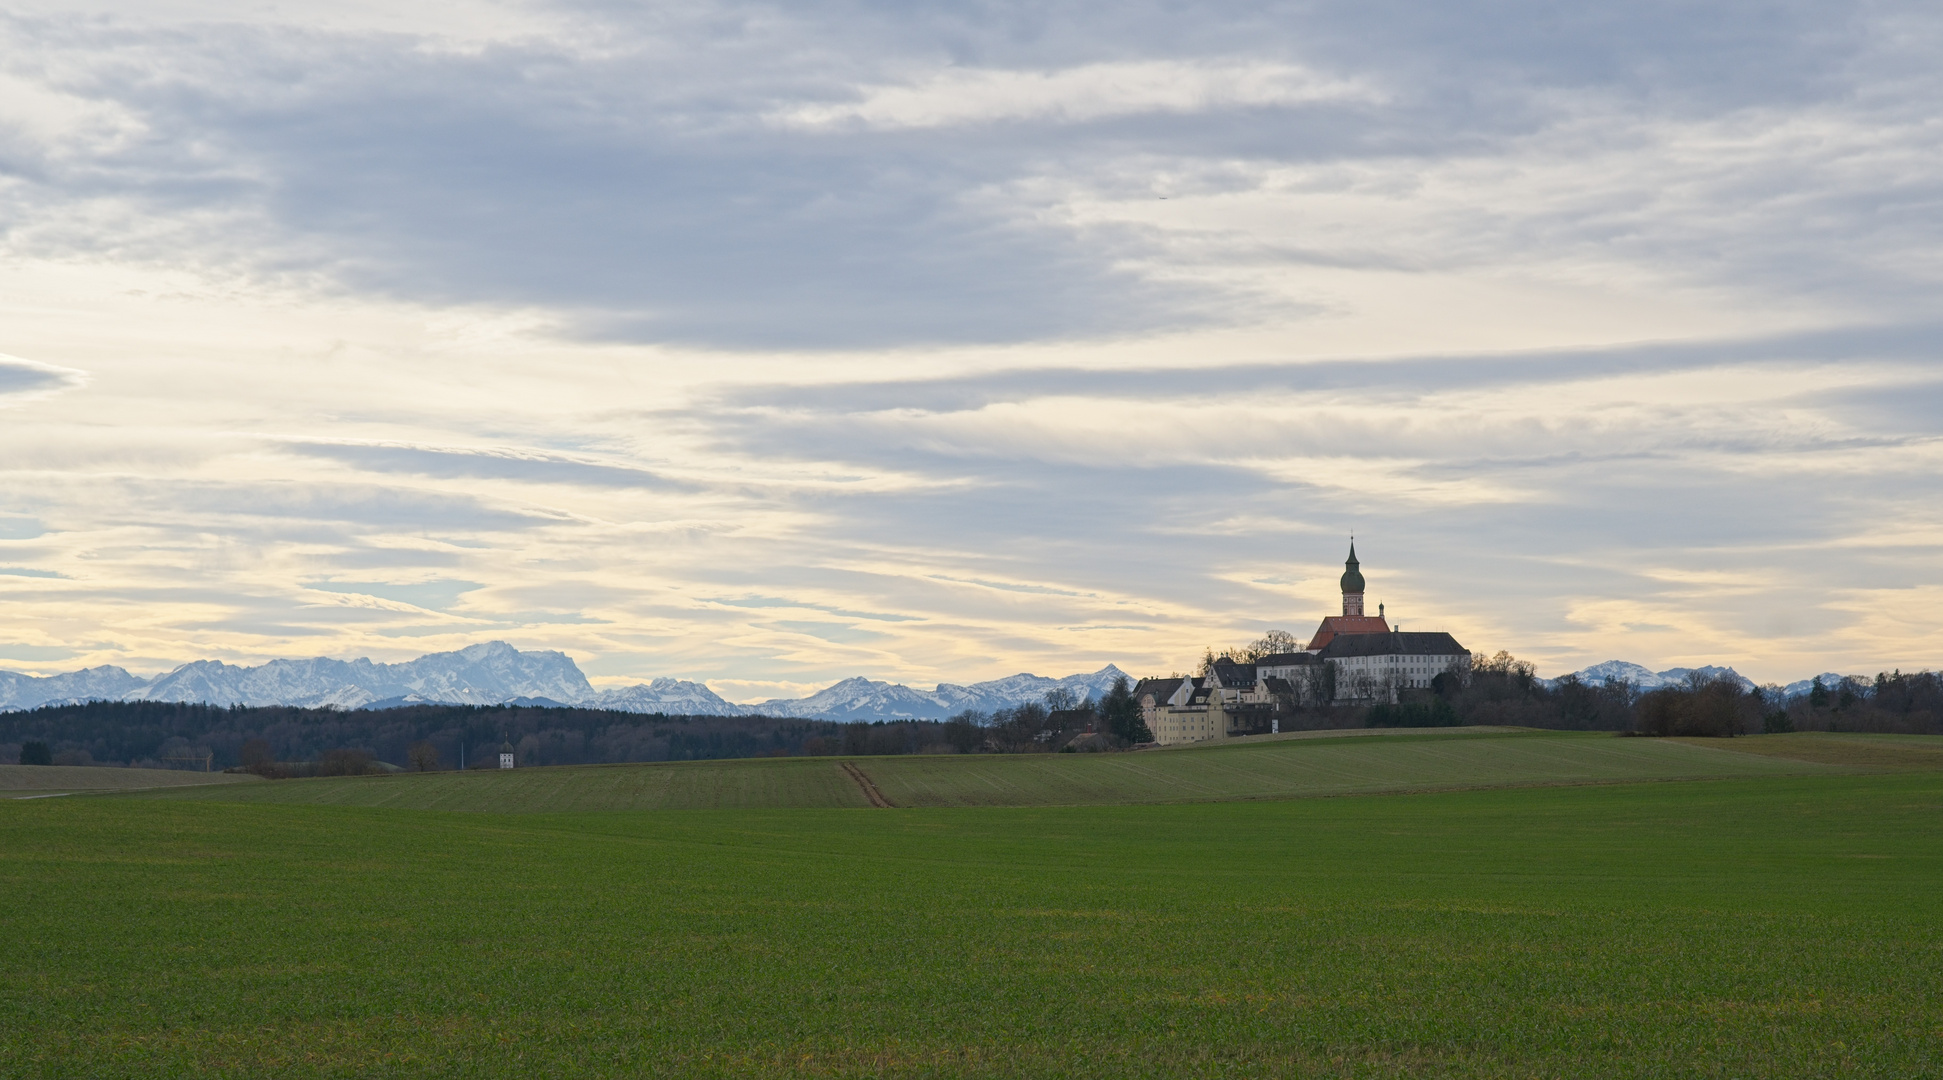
point(1352, 659)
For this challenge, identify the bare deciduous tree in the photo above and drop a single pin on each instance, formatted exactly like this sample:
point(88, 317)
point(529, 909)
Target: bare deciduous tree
point(1320, 683)
point(344, 762)
point(1272, 643)
point(424, 756)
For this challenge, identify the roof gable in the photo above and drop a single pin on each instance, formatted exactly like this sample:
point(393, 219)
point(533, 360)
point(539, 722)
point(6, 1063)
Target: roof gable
point(1436, 643)
point(1285, 659)
point(1347, 624)
point(1230, 675)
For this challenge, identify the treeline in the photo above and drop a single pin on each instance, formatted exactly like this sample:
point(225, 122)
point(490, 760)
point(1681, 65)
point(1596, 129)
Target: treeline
point(157, 734)
point(285, 741)
point(1060, 724)
point(1499, 690)
point(1894, 703)
point(1505, 690)
point(1502, 689)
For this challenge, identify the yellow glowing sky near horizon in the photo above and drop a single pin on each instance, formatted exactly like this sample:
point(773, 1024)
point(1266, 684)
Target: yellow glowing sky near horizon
point(770, 350)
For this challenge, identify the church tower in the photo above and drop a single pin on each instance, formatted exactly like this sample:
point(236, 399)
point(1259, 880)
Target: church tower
point(1352, 584)
point(1352, 620)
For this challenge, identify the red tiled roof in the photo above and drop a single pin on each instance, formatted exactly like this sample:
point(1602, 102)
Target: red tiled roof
point(1347, 624)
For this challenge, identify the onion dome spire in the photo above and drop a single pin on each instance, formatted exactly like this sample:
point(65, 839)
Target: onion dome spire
point(1352, 576)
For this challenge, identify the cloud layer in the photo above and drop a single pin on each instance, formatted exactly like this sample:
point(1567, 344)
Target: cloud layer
point(740, 175)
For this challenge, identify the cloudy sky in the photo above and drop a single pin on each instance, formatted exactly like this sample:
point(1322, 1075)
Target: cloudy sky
point(768, 344)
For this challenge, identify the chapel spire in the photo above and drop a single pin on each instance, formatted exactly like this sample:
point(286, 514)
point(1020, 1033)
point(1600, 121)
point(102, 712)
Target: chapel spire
point(1352, 583)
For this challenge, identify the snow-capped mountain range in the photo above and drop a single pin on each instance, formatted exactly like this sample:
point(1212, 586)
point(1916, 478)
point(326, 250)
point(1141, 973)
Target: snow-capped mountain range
point(1644, 679)
point(496, 672)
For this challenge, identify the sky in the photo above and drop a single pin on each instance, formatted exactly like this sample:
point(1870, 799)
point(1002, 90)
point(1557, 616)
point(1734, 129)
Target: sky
point(767, 345)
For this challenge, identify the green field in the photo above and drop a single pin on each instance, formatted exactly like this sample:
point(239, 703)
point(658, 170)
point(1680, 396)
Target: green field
point(1298, 768)
point(1778, 925)
point(1271, 769)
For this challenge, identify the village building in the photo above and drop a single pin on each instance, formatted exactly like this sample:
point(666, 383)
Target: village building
point(1352, 659)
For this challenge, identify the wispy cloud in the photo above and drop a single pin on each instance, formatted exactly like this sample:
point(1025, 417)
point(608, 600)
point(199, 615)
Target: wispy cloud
point(961, 96)
point(22, 381)
point(435, 595)
point(499, 463)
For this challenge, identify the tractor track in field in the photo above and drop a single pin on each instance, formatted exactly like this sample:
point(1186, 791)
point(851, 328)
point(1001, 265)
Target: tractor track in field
point(870, 790)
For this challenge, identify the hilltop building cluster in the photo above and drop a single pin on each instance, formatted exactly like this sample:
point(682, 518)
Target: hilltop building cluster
point(1352, 659)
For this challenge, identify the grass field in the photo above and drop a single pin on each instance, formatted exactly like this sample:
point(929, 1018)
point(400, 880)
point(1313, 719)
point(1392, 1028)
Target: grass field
point(1287, 768)
point(1854, 749)
point(1302, 767)
point(1782, 926)
point(36, 781)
